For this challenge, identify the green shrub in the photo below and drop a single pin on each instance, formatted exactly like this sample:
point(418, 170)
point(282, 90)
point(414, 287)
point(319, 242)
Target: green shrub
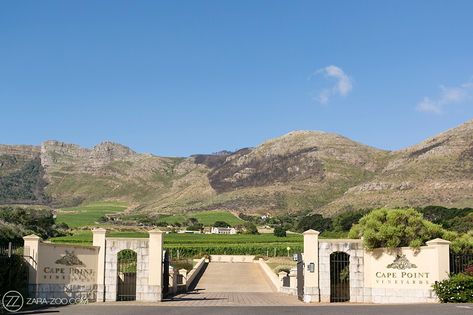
point(397, 228)
point(13, 273)
point(457, 289)
point(250, 228)
point(279, 231)
point(221, 224)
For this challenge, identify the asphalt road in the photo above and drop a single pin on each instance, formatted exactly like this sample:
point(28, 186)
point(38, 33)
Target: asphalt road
point(134, 309)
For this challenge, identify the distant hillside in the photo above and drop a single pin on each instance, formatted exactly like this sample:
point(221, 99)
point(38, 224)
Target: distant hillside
point(301, 171)
point(438, 171)
point(21, 176)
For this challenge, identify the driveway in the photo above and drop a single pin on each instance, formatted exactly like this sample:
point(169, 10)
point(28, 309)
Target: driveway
point(124, 308)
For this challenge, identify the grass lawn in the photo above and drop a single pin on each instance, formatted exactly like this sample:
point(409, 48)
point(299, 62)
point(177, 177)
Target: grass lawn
point(88, 214)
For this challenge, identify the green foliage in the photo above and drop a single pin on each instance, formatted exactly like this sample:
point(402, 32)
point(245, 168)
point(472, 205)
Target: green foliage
point(221, 224)
point(208, 218)
point(127, 260)
point(25, 185)
point(195, 227)
point(315, 222)
point(279, 231)
point(14, 274)
point(198, 245)
point(250, 228)
point(89, 214)
point(457, 289)
point(16, 222)
point(463, 243)
point(396, 228)
point(460, 220)
point(182, 264)
point(344, 221)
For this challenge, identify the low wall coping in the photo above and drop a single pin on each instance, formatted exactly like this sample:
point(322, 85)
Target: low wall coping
point(128, 238)
point(341, 240)
point(437, 241)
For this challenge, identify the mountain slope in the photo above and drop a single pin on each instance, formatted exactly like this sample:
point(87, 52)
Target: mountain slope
point(437, 171)
point(300, 171)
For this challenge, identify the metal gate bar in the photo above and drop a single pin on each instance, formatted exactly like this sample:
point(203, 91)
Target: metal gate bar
point(300, 277)
point(126, 275)
point(339, 277)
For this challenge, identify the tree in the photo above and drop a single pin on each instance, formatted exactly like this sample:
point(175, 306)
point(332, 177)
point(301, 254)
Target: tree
point(315, 222)
point(221, 224)
point(195, 227)
point(396, 228)
point(344, 221)
point(279, 231)
point(250, 228)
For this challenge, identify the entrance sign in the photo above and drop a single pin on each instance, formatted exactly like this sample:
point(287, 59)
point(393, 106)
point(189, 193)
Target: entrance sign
point(349, 273)
point(94, 273)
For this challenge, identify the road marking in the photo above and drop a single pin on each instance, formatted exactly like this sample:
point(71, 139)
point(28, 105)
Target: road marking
point(468, 307)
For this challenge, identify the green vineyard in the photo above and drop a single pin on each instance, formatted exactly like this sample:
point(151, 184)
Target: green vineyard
point(198, 245)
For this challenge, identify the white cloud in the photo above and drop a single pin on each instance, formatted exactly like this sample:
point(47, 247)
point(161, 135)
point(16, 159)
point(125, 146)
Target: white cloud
point(342, 86)
point(427, 105)
point(448, 96)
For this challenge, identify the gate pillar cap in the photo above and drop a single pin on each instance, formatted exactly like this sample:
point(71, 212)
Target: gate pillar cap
point(99, 230)
point(437, 241)
point(32, 237)
point(155, 231)
point(311, 232)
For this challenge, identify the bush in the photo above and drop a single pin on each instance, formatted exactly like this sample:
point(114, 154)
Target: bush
point(17, 221)
point(457, 289)
point(250, 228)
point(279, 231)
point(315, 222)
point(221, 224)
point(13, 272)
point(344, 221)
point(396, 228)
point(463, 244)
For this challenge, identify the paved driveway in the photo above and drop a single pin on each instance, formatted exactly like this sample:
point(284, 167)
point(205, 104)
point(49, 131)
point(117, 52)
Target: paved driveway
point(234, 277)
point(124, 308)
point(233, 284)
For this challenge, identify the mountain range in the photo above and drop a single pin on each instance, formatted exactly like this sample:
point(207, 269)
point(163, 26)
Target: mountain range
point(301, 171)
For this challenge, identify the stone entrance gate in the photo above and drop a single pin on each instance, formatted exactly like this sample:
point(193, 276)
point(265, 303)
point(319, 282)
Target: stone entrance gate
point(91, 272)
point(400, 275)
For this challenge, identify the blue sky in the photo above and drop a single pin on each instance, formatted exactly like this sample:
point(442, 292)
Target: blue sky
point(182, 77)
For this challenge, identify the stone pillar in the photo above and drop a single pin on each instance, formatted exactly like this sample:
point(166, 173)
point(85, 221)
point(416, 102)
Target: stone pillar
point(31, 254)
point(182, 276)
point(155, 282)
point(282, 275)
point(311, 266)
point(293, 279)
point(100, 241)
point(442, 255)
point(173, 273)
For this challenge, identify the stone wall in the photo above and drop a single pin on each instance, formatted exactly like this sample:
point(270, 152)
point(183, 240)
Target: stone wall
point(144, 291)
point(61, 271)
point(353, 248)
point(400, 275)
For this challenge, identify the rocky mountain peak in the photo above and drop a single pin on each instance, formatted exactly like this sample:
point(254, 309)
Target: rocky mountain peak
point(111, 150)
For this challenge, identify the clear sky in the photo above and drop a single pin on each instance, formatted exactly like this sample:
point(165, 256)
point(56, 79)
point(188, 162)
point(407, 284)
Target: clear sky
point(182, 77)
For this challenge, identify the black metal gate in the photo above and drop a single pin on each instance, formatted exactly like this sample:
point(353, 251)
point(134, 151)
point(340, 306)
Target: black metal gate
point(300, 277)
point(166, 273)
point(126, 275)
point(339, 277)
point(460, 262)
